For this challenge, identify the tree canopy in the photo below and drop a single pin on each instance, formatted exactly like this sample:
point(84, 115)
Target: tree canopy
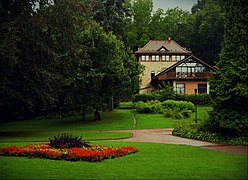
point(229, 90)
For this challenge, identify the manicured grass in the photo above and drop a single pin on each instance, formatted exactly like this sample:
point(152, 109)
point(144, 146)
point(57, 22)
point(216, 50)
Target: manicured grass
point(118, 119)
point(44, 136)
point(153, 161)
point(126, 105)
point(150, 121)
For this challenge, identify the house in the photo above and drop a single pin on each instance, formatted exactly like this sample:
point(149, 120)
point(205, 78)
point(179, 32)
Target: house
point(167, 61)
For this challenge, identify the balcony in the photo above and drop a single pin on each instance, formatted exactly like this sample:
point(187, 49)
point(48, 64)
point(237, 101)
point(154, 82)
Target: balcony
point(184, 75)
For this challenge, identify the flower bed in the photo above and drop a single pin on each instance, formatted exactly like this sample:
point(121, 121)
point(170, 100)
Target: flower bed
point(93, 153)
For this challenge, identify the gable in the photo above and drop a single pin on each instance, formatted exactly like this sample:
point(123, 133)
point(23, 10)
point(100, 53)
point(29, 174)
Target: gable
point(162, 48)
point(190, 67)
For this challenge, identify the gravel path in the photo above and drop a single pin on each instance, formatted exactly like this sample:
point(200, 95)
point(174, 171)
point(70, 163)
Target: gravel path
point(165, 136)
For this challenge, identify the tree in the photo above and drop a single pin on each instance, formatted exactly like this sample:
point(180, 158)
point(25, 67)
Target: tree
point(229, 90)
point(137, 26)
point(110, 14)
point(207, 30)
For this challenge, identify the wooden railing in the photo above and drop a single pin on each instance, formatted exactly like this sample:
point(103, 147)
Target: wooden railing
point(184, 75)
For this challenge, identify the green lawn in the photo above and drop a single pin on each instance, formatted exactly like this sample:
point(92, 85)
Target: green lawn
point(149, 121)
point(153, 161)
point(44, 136)
point(117, 119)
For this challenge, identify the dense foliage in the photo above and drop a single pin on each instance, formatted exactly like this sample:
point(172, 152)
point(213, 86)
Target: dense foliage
point(56, 59)
point(199, 99)
point(67, 141)
point(170, 108)
point(229, 89)
point(200, 31)
point(194, 131)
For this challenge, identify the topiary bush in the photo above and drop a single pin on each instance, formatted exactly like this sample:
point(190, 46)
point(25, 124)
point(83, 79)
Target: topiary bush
point(67, 141)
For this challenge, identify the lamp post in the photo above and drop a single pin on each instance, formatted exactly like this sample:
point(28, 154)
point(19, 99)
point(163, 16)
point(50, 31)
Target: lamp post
point(195, 106)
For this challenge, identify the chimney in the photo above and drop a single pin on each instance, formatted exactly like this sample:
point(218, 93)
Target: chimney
point(169, 39)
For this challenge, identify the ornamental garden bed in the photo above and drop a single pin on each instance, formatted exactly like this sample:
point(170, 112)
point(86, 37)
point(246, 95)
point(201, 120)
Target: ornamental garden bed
point(67, 147)
point(94, 153)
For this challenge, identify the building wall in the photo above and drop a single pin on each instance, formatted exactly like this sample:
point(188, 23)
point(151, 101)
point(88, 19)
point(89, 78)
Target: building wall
point(190, 85)
point(149, 67)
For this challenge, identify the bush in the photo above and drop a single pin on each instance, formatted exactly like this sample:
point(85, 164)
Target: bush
point(178, 105)
point(170, 108)
point(195, 131)
point(148, 107)
point(147, 97)
point(200, 99)
point(67, 141)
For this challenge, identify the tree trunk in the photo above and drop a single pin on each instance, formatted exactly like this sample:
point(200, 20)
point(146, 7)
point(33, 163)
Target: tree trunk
point(83, 116)
point(111, 103)
point(97, 115)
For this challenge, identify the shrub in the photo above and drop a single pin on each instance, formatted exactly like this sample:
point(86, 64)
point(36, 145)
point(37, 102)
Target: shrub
point(200, 99)
point(146, 97)
point(148, 107)
point(180, 105)
point(195, 131)
point(67, 141)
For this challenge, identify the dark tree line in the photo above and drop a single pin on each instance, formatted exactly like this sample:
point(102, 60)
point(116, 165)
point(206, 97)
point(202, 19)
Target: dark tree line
point(55, 58)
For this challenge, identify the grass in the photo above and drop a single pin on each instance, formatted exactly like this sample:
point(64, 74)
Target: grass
point(44, 136)
point(115, 120)
point(153, 161)
point(150, 121)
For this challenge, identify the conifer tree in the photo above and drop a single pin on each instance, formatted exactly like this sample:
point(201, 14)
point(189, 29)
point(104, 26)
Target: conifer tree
point(229, 88)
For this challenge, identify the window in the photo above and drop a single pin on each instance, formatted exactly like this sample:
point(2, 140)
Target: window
point(178, 58)
point(144, 58)
point(182, 57)
point(202, 88)
point(167, 58)
point(163, 57)
point(155, 58)
point(180, 88)
point(174, 58)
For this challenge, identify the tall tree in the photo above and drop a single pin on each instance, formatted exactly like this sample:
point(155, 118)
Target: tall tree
point(229, 89)
point(207, 30)
point(110, 14)
point(137, 27)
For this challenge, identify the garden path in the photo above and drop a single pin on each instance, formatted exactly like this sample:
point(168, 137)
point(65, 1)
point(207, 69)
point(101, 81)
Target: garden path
point(165, 136)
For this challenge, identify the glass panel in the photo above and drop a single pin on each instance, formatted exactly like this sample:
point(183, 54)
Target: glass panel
point(167, 58)
point(143, 58)
point(157, 58)
point(180, 88)
point(173, 58)
point(163, 57)
point(178, 58)
point(202, 88)
point(153, 58)
point(147, 58)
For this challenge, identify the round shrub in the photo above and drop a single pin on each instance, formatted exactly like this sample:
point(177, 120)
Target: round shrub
point(67, 141)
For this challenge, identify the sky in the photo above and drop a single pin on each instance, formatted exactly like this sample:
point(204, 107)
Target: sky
point(165, 4)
